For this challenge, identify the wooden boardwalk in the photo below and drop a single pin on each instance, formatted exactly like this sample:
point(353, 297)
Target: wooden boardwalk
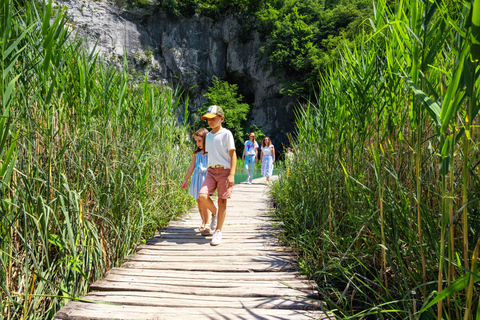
point(179, 275)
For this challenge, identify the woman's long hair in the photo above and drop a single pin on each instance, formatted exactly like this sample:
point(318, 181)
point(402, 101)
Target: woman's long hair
point(202, 133)
point(264, 144)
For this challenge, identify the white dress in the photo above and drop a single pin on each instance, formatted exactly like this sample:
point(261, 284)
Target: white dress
point(267, 161)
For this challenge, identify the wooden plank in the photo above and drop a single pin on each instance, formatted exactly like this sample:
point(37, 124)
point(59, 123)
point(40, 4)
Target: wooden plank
point(89, 311)
point(222, 267)
point(218, 283)
point(203, 240)
point(211, 259)
point(225, 236)
point(269, 236)
point(210, 275)
point(219, 251)
point(234, 212)
point(237, 224)
point(162, 299)
point(248, 290)
point(194, 230)
point(226, 228)
point(207, 247)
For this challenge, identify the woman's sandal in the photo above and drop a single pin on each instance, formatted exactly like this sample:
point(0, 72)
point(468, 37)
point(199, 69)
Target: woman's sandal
point(202, 227)
point(206, 231)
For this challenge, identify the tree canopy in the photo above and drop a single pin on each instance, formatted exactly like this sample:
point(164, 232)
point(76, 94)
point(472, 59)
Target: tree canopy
point(304, 36)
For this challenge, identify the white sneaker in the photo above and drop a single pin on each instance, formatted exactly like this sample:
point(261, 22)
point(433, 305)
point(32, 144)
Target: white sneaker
point(213, 224)
point(250, 181)
point(217, 238)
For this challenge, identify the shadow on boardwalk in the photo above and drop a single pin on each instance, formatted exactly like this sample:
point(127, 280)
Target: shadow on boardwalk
point(179, 275)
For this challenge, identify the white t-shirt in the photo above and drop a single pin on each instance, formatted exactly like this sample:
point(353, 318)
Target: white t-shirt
point(267, 150)
point(251, 148)
point(218, 146)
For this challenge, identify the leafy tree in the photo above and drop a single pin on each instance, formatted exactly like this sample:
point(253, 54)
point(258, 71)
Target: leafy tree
point(225, 95)
point(304, 36)
point(210, 8)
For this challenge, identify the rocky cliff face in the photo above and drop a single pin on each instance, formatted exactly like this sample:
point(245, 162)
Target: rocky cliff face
point(188, 52)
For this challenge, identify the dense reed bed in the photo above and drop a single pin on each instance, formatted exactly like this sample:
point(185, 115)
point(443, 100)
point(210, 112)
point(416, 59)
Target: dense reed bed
point(89, 162)
point(382, 198)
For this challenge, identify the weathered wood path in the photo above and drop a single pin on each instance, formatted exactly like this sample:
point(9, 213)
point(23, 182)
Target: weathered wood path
point(179, 275)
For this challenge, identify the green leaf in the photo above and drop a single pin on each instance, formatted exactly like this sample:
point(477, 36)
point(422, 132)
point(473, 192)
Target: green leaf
point(46, 18)
point(55, 240)
point(12, 63)
point(432, 107)
point(7, 19)
point(8, 92)
point(8, 166)
point(50, 92)
point(8, 156)
point(448, 107)
point(475, 31)
point(460, 284)
point(14, 45)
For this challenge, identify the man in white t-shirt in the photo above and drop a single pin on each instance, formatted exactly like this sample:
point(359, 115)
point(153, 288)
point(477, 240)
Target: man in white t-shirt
point(250, 157)
point(222, 161)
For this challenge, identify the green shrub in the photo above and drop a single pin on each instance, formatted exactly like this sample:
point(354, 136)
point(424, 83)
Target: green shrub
point(223, 94)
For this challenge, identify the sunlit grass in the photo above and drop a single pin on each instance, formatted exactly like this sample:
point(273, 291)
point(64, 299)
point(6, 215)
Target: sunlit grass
point(382, 198)
point(89, 163)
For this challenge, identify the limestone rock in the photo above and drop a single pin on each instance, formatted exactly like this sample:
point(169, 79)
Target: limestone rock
point(188, 52)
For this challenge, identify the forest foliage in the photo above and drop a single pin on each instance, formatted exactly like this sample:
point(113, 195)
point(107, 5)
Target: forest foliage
point(304, 37)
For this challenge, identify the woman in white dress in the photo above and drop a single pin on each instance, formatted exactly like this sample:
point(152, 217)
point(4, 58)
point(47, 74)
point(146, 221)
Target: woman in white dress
point(267, 158)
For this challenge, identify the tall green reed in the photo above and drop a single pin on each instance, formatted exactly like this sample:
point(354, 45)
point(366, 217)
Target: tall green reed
point(89, 162)
point(382, 199)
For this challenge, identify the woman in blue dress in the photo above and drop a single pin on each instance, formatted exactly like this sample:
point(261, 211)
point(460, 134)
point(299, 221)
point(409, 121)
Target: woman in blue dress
point(267, 158)
point(198, 172)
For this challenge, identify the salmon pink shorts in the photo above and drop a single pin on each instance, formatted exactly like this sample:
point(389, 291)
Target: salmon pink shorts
point(216, 179)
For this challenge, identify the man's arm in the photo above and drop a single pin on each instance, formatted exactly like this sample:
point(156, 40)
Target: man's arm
point(233, 166)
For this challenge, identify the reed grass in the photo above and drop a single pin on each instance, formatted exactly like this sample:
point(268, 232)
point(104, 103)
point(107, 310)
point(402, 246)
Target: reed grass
point(382, 198)
point(89, 162)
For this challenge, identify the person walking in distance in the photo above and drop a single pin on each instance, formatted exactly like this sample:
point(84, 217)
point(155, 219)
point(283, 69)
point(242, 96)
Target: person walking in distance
point(250, 157)
point(222, 161)
point(198, 167)
point(267, 158)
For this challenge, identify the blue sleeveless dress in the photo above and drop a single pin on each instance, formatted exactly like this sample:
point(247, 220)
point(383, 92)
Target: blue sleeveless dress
point(199, 174)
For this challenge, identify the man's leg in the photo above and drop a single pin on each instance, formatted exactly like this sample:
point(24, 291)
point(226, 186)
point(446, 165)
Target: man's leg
point(222, 213)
